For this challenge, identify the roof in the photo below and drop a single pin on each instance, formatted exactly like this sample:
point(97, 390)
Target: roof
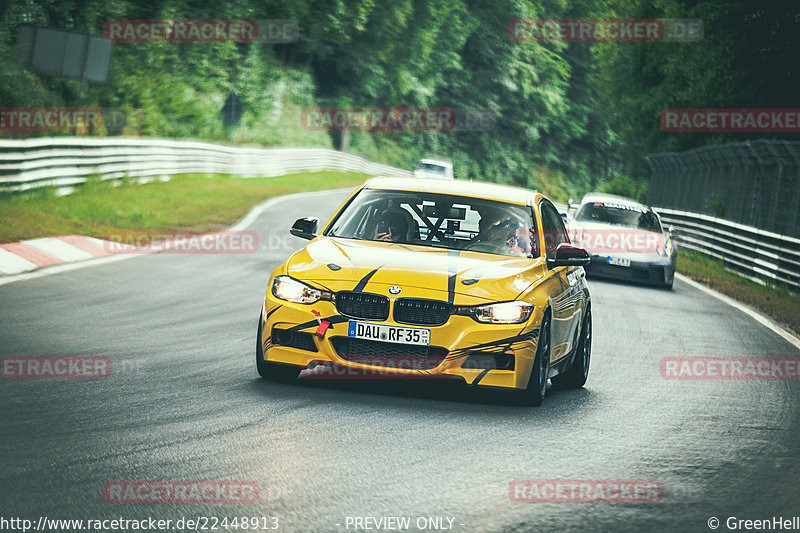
point(601, 197)
point(475, 189)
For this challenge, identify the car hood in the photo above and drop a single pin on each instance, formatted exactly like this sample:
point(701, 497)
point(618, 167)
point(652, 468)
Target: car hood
point(464, 278)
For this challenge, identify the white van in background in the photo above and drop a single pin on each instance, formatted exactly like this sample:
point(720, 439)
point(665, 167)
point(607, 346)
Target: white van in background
point(434, 168)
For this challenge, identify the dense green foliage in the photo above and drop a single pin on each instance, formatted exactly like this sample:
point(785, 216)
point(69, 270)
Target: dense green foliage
point(569, 116)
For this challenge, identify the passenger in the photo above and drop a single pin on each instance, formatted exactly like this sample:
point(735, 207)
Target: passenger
point(499, 233)
point(489, 217)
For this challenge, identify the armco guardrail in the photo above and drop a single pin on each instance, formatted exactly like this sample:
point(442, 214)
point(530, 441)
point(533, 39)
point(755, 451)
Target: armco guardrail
point(59, 161)
point(752, 252)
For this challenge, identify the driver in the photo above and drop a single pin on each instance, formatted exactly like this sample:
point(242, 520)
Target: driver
point(391, 226)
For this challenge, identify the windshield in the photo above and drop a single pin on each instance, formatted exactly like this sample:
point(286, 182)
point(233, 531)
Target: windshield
point(619, 215)
point(438, 220)
point(430, 167)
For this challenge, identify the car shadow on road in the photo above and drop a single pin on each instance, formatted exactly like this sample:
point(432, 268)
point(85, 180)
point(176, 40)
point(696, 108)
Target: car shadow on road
point(432, 394)
point(634, 284)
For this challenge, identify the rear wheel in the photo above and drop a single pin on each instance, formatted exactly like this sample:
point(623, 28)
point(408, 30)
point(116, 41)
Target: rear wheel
point(537, 383)
point(575, 376)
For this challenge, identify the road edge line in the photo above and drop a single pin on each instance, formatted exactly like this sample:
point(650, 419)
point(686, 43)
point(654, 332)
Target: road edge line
point(762, 319)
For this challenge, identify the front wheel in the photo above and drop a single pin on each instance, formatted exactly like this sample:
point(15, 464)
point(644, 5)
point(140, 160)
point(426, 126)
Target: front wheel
point(272, 371)
point(261, 365)
point(537, 383)
point(265, 369)
point(575, 376)
point(670, 280)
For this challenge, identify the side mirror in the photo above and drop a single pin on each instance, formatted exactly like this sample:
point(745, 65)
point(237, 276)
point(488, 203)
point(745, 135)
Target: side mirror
point(671, 231)
point(305, 228)
point(569, 255)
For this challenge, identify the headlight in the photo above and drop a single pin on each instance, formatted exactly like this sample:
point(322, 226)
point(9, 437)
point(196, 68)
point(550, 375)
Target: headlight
point(667, 250)
point(291, 290)
point(502, 313)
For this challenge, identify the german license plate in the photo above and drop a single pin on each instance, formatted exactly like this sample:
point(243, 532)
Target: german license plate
point(387, 333)
point(619, 261)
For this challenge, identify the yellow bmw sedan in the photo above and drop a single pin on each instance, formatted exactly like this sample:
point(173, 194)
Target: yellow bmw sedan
point(423, 278)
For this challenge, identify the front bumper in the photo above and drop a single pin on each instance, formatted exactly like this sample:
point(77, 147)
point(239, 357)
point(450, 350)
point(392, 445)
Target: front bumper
point(491, 355)
point(651, 269)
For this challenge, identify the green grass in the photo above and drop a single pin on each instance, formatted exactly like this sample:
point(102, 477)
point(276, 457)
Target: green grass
point(188, 203)
point(776, 302)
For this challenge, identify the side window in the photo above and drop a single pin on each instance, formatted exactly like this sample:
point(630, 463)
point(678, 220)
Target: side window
point(554, 231)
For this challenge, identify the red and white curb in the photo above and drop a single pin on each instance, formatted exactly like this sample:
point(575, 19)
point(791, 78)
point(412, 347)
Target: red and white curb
point(24, 256)
point(26, 260)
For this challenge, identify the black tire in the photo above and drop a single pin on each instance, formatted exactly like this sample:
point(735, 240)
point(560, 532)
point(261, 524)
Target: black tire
point(262, 366)
point(668, 285)
point(272, 371)
point(575, 376)
point(537, 383)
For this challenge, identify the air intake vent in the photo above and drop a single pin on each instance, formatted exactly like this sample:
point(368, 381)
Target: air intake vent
point(421, 312)
point(362, 305)
point(389, 354)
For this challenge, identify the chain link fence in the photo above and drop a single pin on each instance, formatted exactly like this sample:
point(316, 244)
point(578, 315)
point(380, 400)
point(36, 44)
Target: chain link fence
point(756, 183)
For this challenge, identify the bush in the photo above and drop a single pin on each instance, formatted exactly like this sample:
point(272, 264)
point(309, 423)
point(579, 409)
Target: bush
point(622, 185)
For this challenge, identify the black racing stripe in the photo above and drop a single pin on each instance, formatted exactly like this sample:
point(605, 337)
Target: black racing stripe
point(365, 280)
point(480, 377)
point(452, 269)
point(500, 343)
point(269, 313)
point(304, 325)
point(334, 319)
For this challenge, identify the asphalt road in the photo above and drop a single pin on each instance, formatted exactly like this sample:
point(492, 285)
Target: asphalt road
point(184, 403)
